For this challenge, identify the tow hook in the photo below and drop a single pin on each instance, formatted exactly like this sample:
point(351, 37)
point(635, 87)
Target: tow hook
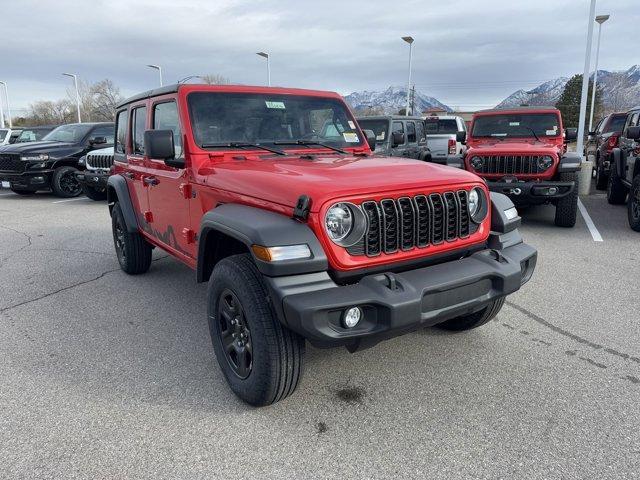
point(516, 191)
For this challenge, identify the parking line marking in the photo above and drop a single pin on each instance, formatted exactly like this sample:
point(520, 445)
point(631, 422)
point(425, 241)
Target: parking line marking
point(70, 200)
point(595, 234)
point(6, 194)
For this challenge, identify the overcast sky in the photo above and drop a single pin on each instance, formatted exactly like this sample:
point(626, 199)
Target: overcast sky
point(468, 54)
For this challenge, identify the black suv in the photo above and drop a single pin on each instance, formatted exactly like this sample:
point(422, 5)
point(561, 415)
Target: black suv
point(601, 143)
point(625, 169)
point(52, 162)
point(398, 136)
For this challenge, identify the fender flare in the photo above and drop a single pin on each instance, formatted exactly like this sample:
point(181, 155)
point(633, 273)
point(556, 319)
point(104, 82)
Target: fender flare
point(256, 226)
point(570, 162)
point(117, 190)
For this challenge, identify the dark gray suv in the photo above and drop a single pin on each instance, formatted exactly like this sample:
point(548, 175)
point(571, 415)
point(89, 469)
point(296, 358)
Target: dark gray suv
point(398, 136)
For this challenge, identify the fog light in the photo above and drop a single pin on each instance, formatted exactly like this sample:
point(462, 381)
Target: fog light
point(37, 179)
point(352, 317)
point(553, 190)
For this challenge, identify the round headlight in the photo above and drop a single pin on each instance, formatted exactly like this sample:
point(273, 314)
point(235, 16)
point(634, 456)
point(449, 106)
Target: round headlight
point(545, 162)
point(478, 205)
point(345, 224)
point(476, 163)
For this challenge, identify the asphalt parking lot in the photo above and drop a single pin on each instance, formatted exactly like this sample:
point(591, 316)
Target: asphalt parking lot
point(103, 375)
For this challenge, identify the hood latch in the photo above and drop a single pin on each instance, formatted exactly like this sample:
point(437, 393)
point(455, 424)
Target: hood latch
point(302, 209)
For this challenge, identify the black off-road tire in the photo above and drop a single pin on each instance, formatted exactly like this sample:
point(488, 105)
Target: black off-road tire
point(601, 178)
point(474, 320)
point(94, 194)
point(567, 207)
point(64, 182)
point(277, 354)
point(133, 251)
point(22, 191)
point(633, 204)
point(616, 191)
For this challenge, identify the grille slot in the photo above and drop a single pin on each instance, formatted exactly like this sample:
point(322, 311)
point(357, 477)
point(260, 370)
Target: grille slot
point(12, 163)
point(509, 164)
point(414, 222)
point(99, 161)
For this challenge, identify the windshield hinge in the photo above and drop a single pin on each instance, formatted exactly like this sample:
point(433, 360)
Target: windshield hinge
point(302, 209)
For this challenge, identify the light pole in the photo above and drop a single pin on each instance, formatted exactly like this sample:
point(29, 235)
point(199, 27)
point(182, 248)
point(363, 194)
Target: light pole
point(159, 68)
point(6, 96)
point(75, 82)
point(600, 19)
point(266, 55)
point(585, 170)
point(409, 40)
point(1, 114)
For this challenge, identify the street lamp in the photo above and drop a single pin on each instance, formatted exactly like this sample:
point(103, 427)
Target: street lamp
point(159, 68)
point(409, 40)
point(266, 55)
point(2, 113)
point(600, 19)
point(75, 82)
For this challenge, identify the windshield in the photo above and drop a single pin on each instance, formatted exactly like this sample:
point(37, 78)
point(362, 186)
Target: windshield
point(32, 135)
point(270, 119)
point(440, 125)
point(517, 125)
point(616, 124)
point(68, 133)
point(379, 127)
point(3, 135)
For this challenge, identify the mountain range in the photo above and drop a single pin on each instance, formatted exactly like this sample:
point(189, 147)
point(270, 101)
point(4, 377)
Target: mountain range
point(391, 100)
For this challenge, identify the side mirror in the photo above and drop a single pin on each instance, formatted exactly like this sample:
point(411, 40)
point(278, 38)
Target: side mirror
point(592, 134)
point(397, 138)
point(570, 134)
point(371, 138)
point(633, 133)
point(98, 141)
point(159, 144)
point(461, 136)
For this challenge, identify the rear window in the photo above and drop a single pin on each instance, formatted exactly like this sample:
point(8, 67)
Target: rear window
point(440, 125)
point(379, 127)
point(616, 124)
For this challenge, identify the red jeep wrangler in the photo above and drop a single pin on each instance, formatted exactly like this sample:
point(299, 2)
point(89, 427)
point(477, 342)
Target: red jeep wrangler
point(522, 153)
point(273, 196)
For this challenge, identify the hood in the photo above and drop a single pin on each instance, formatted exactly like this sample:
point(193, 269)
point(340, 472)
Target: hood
point(102, 151)
point(52, 148)
point(330, 177)
point(513, 145)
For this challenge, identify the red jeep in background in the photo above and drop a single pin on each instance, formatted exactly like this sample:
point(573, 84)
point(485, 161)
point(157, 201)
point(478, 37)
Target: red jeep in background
point(273, 196)
point(522, 153)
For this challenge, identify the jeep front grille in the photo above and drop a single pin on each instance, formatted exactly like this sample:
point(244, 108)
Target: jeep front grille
point(414, 222)
point(509, 164)
point(12, 163)
point(100, 161)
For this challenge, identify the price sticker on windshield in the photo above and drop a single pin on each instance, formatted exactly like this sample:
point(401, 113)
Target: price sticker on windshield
point(277, 105)
point(514, 124)
point(350, 137)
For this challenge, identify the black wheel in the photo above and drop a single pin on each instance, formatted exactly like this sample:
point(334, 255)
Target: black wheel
point(601, 178)
point(64, 182)
point(22, 191)
point(633, 205)
point(260, 358)
point(94, 194)
point(474, 320)
point(616, 191)
point(567, 206)
point(133, 251)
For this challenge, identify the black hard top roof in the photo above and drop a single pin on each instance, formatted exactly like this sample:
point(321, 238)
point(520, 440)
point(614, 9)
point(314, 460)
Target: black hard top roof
point(150, 93)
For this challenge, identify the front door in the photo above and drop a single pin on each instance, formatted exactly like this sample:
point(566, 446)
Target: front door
point(169, 189)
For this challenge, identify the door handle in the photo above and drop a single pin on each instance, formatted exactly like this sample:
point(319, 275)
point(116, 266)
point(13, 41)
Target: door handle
point(150, 181)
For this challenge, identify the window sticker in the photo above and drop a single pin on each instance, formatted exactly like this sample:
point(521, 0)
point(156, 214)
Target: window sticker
point(350, 137)
point(552, 132)
point(277, 105)
point(514, 124)
point(352, 125)
point(381, 136)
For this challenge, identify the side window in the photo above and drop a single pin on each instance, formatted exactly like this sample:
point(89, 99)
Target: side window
point(121, 135)
point(631, 121)
point(165, 117)
point(411, 132)
point(106, 132)
point(600, 127)
point(397, 127)
point(137, 130)
point(420, 133)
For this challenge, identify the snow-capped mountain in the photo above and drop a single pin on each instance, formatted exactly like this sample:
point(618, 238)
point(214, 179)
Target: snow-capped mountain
point(621, 90)
point(391, 100)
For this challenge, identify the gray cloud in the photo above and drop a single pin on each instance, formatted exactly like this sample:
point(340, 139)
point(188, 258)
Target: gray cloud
point(467, 53)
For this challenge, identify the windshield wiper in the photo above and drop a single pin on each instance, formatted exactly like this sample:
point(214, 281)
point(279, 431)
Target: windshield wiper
point(532, 131)
point(308, 143)
point(243, 145)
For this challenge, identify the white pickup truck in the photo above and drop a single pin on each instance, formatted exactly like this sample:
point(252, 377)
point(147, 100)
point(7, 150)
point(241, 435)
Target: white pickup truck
point(443, 138)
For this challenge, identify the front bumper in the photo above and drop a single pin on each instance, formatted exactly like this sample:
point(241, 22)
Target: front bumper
point(395, 303)
point(92, 179)
point(531, 193)
point(30, 179)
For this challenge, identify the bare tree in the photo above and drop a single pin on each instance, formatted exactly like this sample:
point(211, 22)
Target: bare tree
point(47, 112)
point(97, 101)
point(215, 79)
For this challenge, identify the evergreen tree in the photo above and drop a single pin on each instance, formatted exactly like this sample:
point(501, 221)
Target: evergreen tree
point(569, 102)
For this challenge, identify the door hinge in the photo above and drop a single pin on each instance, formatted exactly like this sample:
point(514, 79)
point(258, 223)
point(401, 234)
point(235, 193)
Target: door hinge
point(187, 191)
point(189, 235)
point(148, 217)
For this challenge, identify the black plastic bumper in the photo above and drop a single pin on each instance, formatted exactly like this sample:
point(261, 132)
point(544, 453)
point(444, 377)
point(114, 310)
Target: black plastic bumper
point(35, 179)
point(532, 192)
point(395, 303)
point(91, 179)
